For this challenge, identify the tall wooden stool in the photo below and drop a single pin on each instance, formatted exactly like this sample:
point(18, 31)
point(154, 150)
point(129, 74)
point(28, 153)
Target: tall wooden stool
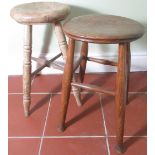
point(40, 13)
point(101, 29)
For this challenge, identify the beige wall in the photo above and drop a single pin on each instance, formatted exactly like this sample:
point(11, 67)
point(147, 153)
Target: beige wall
point(44, 40)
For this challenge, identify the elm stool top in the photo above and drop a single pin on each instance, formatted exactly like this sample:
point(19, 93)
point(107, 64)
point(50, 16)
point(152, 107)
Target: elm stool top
point(103, 29)
point(40, 12)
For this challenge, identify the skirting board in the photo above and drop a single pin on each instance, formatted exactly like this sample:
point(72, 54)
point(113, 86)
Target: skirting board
point(138, 63)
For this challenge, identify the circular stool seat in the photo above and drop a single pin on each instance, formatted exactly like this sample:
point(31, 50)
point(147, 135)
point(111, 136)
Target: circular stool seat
point(103, 29)
point(40, 12)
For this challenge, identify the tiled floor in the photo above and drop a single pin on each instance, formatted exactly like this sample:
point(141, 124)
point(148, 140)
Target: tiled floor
point(91, 128)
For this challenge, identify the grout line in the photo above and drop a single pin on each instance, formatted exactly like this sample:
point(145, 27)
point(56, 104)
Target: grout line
point(41, 142)
point(59, 137)
point(130, 136)
point(37, 93)
point(24, 137)
point(105, 128)
point(56, 93)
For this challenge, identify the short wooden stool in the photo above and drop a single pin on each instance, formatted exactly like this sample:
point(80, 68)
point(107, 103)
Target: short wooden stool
point(40, 13)
point(101, 29)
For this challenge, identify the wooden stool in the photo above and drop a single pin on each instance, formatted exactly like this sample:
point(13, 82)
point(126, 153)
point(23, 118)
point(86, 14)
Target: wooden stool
point(101, 29)
point(38, 13)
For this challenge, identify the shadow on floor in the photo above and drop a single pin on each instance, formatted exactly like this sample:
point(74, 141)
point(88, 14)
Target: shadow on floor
point(131, 140)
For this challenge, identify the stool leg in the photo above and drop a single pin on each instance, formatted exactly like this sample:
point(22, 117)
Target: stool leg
point(129, 66)
point(121, 94)
point(66, 83)
point(84, 53)
point(76, 92)
point(61, 38)
point(63, 47)
point(27, 69)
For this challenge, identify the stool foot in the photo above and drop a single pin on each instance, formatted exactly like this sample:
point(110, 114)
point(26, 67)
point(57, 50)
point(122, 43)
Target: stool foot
point(61, 128)
point(26, 113)
point(119, 148)
point(77, 97)
point(79, 103)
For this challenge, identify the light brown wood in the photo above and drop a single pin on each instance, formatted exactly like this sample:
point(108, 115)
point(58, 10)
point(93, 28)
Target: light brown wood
point(103, 29)
point(66, 83)
point(102, 61)
point(76, 92)
point(52, 63)
point(57, 66)
point(40, 12)
point(63, 47)
point(46, 64)
point(84, 53)
point(77, 63)
point(92, 88)
point(42, 62)
point(61, 38)
point(129, 66)
point(27, 69)
point(121, 93)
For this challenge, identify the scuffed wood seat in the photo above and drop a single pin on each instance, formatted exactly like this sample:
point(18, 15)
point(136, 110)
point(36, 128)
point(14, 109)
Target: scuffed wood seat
point(40, 12)
point(103, 29)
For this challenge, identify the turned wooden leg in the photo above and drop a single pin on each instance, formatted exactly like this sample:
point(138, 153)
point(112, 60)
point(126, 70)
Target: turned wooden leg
point(121, 94)
point(63, 47)
point(27, 69)
point(61, 39)
point(84, 53)
point(66, 83)
point(76, 92)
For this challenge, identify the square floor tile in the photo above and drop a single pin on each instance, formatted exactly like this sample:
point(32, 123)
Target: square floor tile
point(72, 146)
point(15, 84)
point(138, 81)
point(33, 125)
point(104, 80)
point(23, 146)
point(136, 115)
point(47, 83)
point(81, 121)
point(85, 120)
point(133, 146)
